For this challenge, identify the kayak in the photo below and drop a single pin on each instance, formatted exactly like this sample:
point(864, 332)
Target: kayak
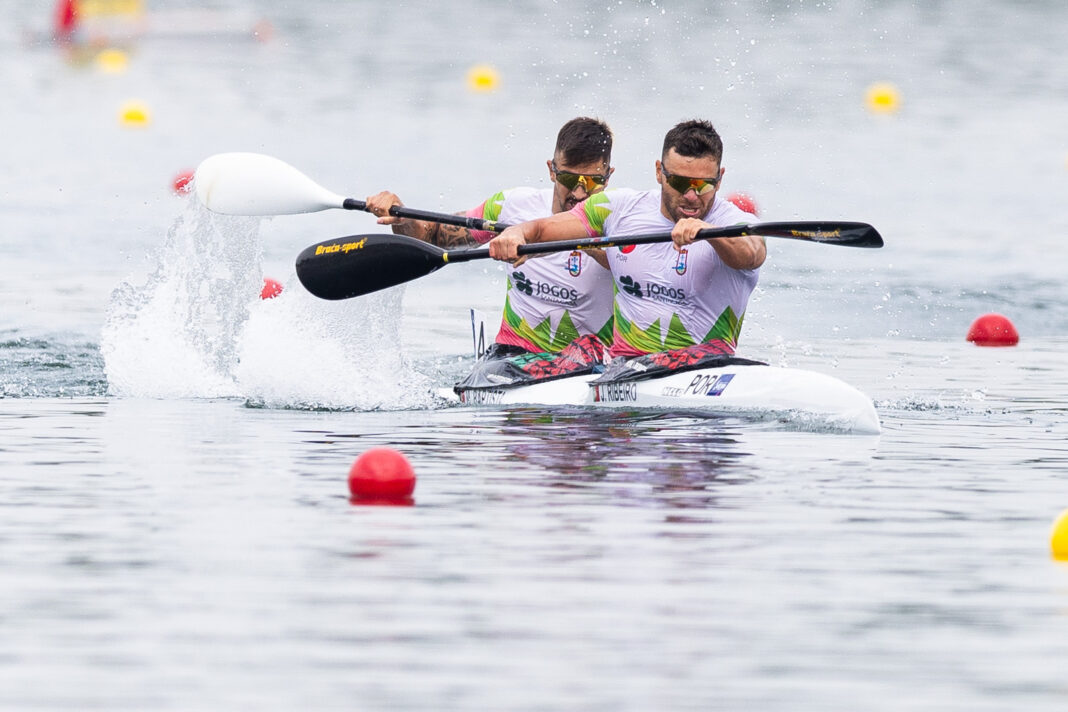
point(746, 388)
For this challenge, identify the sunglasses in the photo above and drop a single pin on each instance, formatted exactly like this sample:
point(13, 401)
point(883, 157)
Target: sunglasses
point(683, 183)
point(590, 182)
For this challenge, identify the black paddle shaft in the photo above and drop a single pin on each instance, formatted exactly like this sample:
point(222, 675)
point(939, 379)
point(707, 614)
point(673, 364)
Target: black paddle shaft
point(399, 211)
point(360, 264)
point(846, 234)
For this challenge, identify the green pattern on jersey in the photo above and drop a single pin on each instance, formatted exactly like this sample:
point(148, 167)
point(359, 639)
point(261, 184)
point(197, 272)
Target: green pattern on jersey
point(541, 335)
point(606, 333)
point(492, 207)
point(597, 212)
point(727, 329)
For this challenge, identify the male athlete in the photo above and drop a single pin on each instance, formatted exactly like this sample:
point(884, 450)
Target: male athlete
point(686, 299)
point(559, 302)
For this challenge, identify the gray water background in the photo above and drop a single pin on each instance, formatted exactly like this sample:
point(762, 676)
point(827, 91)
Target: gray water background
point(175, 528)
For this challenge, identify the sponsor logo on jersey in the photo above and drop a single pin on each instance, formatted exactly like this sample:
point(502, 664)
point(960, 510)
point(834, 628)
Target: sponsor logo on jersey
point(546, 292)
point(630, 286)
point(522, 284)
point(664, 293)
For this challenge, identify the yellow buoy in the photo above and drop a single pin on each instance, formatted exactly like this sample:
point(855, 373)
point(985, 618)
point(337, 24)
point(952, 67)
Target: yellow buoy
point(134, 114)
point(482, 78)
point(105, 8)
point(883, 98)
point(111, 61)
point(1058, 540)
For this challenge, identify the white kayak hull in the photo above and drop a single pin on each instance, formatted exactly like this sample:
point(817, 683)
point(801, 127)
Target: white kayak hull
point(808, 397)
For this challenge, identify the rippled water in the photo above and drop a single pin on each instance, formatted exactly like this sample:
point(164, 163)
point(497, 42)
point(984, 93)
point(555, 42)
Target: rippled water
point(175, 528)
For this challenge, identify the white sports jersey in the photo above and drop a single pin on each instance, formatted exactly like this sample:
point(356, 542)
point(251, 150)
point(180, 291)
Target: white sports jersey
point(551, 299)
point(665, 299)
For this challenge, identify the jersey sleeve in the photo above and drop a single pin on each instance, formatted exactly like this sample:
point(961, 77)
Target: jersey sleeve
point(593, 212)
point(490, 210)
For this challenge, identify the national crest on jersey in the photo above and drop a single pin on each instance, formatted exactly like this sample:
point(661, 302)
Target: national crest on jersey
point(574, 263)
point(680, 263)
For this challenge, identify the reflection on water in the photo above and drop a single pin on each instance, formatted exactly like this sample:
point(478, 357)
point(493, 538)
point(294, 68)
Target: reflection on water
point(680, 461)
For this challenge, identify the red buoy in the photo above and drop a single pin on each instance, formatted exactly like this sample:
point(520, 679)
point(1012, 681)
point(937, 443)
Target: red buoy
point(382, 475)
point(271, 288)
point(993, 330)
point(744, 202)
point(182, 182)
point(65, 20)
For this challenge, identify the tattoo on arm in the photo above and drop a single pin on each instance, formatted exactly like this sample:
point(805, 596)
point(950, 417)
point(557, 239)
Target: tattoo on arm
point(449, 236)
point(443, 236)
point(418, 229)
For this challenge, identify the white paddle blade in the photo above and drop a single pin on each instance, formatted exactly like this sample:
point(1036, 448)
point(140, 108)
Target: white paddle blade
point(255, 184)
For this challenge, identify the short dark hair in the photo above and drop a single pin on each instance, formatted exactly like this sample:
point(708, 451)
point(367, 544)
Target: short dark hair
point(694, 139)
point(584, 140)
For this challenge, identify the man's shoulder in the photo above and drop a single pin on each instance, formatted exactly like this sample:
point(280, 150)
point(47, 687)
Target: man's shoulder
point(724, 212)
point(519, 204)
point(527, 197)
point(525, 191)
point(627, 193)
point(628, 198)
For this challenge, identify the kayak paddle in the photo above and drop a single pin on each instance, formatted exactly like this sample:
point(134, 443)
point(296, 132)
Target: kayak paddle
point(360, 264)
point(255, 184)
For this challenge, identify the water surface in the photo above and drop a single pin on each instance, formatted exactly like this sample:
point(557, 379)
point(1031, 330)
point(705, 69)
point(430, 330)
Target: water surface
point(176, 531)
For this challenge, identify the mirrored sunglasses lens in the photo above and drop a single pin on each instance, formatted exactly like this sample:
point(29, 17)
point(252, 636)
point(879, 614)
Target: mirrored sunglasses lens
point(568, 180)
point(591, 183)
point(678, 183)
point(683, 184)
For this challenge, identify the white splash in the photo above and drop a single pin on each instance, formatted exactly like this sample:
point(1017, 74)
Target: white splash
point(174, 336)
point(300, 351)
point(197, 329)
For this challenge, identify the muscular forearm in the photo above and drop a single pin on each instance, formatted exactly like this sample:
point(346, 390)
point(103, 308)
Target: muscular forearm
point(419, 229)
point(599, 257)
point(444, 236)
point(746, 252)
point(450, 236)
point(562, 226)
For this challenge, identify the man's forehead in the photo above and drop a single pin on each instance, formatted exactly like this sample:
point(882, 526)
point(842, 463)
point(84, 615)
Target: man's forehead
point(684, 165)
point(596, 166)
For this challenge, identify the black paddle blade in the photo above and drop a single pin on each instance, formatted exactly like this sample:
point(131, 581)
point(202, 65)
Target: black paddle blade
point(360, 264)
point(847, 234)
